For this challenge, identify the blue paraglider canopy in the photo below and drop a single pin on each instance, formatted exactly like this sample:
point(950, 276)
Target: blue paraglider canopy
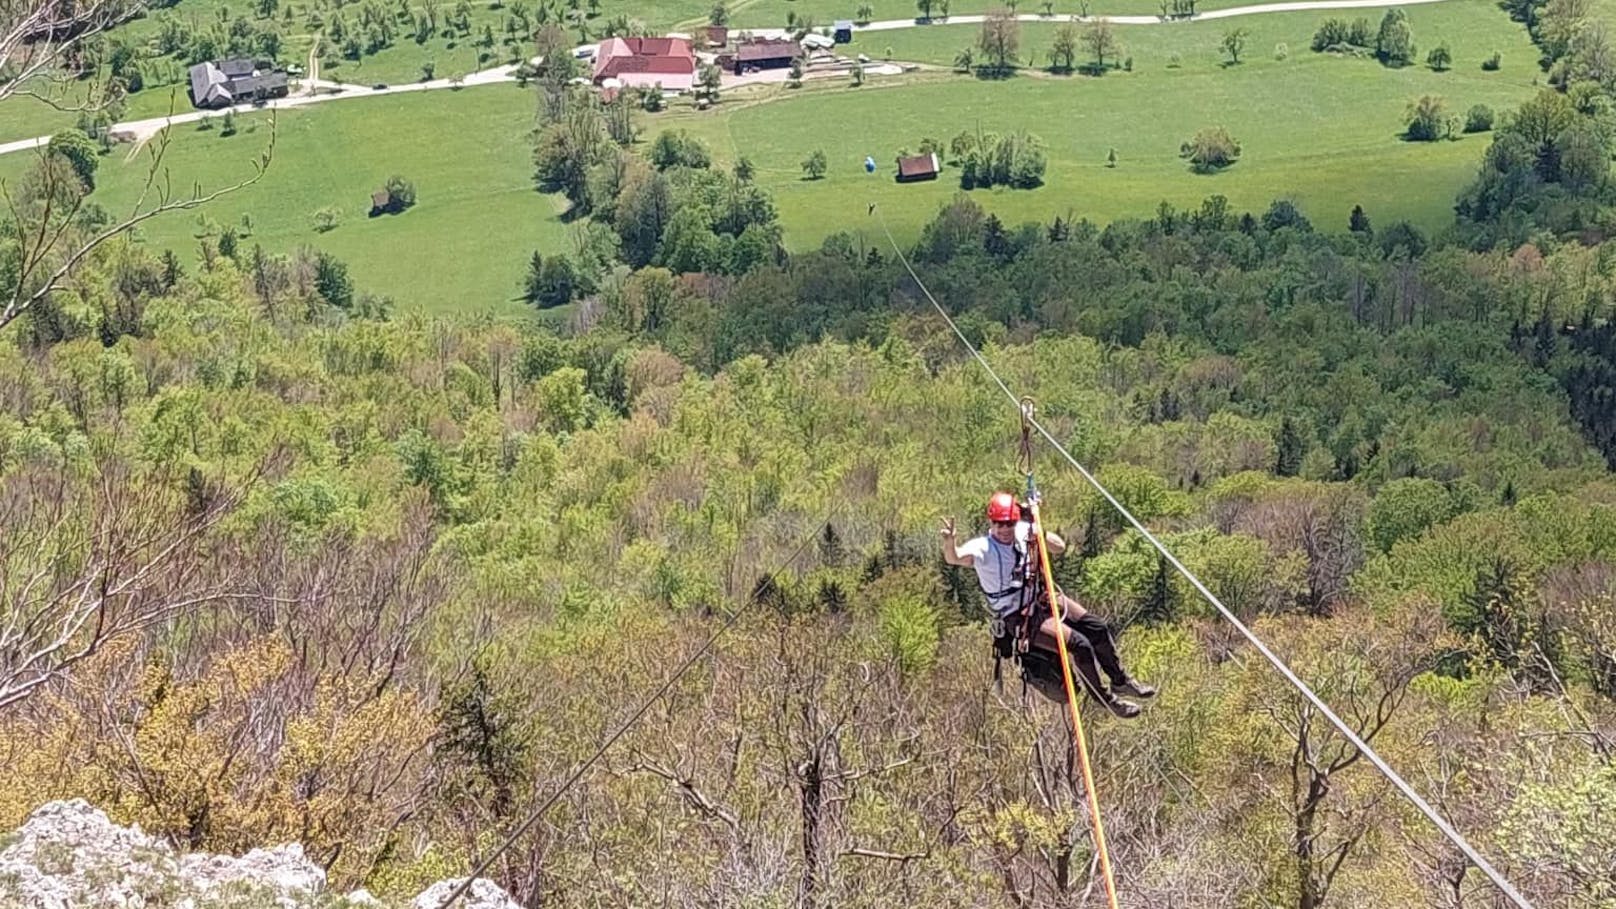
point(869, 165)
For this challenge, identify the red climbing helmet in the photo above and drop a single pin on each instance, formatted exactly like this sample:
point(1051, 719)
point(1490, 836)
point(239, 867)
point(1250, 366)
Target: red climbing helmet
point(1003, 507)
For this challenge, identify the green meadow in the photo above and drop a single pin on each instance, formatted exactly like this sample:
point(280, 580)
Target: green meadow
point(464, 245)
point(1322, 130)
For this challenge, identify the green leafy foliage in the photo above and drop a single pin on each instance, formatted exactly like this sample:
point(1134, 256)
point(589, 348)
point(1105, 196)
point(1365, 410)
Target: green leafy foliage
point(1404, 509)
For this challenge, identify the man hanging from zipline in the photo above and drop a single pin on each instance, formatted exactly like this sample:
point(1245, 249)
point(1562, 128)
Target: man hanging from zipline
point(1002, 563)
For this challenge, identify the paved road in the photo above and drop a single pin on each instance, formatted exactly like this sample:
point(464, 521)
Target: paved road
point(141, 130)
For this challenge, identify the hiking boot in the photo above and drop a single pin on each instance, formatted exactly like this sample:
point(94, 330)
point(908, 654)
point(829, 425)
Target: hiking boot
point(1134, 687)
point(1125, 709)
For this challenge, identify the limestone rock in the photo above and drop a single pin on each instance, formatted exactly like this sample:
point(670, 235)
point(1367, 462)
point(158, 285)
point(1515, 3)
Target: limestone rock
point(69, 855)
point(483, 894)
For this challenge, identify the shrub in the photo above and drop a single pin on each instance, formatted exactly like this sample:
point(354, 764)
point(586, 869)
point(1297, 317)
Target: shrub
point(400, 192)
point(1283, 213)
point(1332, 33)
point(1491, 63)
point(327, 219)
point(79, 150)
point(1339, 34)
point(1479, 120)
point(1425, 121)
point(1358, 33)
point(1210, 150)
point(909, 632)
point(1016, 160)
point(1281, 51)
point(678, 147)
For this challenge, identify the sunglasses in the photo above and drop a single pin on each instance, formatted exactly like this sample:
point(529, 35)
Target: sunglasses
point(1004, 523)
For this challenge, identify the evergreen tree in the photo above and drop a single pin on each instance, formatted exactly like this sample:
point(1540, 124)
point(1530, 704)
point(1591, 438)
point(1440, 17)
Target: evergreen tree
point(1158, 605)
point(558, 282)
point(832, 598)
point(1395, 43)
point(832, 553)
point(479, 732)
point(1358, 223)
point(331, 280)
point(534, 284)
point(172, 270)
point(1290, 449)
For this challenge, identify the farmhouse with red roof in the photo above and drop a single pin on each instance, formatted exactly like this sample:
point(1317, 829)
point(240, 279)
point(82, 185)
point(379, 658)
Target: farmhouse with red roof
point(647, 62)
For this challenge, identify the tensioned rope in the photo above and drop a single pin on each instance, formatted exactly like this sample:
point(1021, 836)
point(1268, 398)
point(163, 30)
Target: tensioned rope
point(1057, 611)
point(1408, 792)
point(1057, 615)
point(482, 866)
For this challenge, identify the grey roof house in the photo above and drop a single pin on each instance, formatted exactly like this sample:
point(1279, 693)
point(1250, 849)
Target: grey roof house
point(227, 82)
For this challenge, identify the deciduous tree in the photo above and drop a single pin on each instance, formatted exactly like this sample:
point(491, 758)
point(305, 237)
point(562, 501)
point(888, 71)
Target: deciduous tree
point(1234, 42)
point(814, 165)
point(1394, 44)
point(89, 560)
point(1101, 40)
point(1063, 55)
point(999, 39)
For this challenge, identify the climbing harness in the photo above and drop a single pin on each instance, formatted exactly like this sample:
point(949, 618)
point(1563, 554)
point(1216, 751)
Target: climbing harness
point(1012, 630)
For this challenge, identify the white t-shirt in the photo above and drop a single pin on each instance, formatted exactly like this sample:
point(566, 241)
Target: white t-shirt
point(999, 568)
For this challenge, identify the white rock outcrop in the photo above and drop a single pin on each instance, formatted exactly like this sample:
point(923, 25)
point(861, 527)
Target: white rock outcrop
point(69, 855)
point(483, 894)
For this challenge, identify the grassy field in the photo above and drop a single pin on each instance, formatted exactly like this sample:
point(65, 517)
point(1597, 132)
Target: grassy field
point(1321, 130)
point(823, 12)
point(465, 244)
point(1472, 30)
point(404, 59)
point(26, 117)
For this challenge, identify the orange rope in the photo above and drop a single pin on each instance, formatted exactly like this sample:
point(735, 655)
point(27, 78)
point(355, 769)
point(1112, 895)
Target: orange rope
point(1071, 702)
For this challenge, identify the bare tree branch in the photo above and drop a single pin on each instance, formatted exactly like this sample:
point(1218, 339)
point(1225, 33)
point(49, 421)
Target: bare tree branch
point(900, 857)
point(38, 38)
point(33, 285)
point(82, 564)
point(695, 797)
